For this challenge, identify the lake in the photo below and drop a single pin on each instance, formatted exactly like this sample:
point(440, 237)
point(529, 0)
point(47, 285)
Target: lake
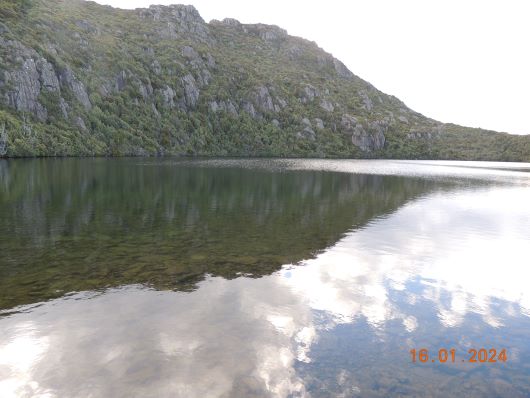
point(264, 278)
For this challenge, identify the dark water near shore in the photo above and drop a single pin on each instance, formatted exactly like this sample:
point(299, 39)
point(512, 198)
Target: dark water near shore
point(251, 278)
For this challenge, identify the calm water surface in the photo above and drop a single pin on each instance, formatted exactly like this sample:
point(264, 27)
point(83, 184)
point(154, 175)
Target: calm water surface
point(262, 278)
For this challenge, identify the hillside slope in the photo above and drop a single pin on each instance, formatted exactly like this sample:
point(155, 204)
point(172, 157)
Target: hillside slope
point(78, 78)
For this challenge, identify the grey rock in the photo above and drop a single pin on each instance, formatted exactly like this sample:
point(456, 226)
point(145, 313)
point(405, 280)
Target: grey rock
point(120, 81)
point(145, 89)
point(435, 133)
point(104, 90)
point(176, 20)
point(373, 139)
point(168, 97)
point(348, 123)
point(307, 133)
point(80, 123)
point(230, 108)
point(249, 108)
point(191, 91)
point(190, 53)
point(210, 60)
point(48, 77)
point(155, 111)
point(306, 122)
point(275, 123)
point(263, 100)
point(361, 138)
point(26, 89)
point(327, 105)
point(269, 33)
point(341, 69)
point(67, 79)
point(231, 22)
point(403, 119)
point(295, 51)
point(204, 77)
point(214, 106)
point(319, 123)
point(378, 129)
point(226, 106)
point(367, 101)
point(324, 60)
point(64, 107)
point(309, 93)
point(281, 102)
point(155, 67)
point(370, 139)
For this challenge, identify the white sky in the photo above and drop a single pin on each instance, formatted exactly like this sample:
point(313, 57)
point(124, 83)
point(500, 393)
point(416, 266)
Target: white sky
point(460, 61)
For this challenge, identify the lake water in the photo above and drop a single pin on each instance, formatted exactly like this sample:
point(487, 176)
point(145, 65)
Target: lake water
point(263, 278)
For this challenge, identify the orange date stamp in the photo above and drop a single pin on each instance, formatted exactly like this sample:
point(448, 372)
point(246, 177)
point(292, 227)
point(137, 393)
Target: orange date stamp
point(443, 355)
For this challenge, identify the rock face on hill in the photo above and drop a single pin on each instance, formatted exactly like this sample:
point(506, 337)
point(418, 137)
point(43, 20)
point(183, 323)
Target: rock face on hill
point(78, 78)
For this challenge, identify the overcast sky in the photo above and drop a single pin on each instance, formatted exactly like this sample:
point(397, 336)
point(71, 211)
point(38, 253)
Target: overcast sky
point(461, 61)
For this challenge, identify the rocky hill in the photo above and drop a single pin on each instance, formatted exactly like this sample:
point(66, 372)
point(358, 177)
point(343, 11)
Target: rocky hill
point(79, 78)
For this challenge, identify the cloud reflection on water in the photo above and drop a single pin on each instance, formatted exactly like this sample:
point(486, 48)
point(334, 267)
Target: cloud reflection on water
point(463, 252)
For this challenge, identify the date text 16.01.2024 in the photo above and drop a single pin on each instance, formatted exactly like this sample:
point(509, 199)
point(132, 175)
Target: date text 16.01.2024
point(443, 355)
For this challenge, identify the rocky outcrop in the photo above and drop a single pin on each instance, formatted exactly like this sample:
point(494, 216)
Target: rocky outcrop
point(319, 123)
point(26, 74)
point(367, 101)
point(327, 105)
point(309, 93)
point(348, 123)
point(367, 139)
point(226, 106)
point(121, 81)
point(199, 64)
point(426, 134)
point(264, 100)
point(191, 91)
point(80, 123)
point(69, 80)
point(307, 133)
point(249, 108)
point(168, 97)
point(269, 33)
point(341, 69)
point(24, 96)
point(178, 20)
point(231, 22)
point(63, 105)
point(47, 75)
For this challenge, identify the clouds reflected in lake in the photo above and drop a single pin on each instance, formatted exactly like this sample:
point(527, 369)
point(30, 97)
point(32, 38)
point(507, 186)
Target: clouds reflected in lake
point(445, 270)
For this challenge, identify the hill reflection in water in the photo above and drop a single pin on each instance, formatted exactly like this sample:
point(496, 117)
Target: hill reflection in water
point(443, 266)
point(72, 225)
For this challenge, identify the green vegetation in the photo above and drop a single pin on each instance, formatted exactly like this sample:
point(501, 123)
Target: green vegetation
point(13, 8)
point(78, 78)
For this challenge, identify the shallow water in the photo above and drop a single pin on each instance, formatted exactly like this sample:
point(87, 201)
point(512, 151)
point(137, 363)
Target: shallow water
point(228, 278)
